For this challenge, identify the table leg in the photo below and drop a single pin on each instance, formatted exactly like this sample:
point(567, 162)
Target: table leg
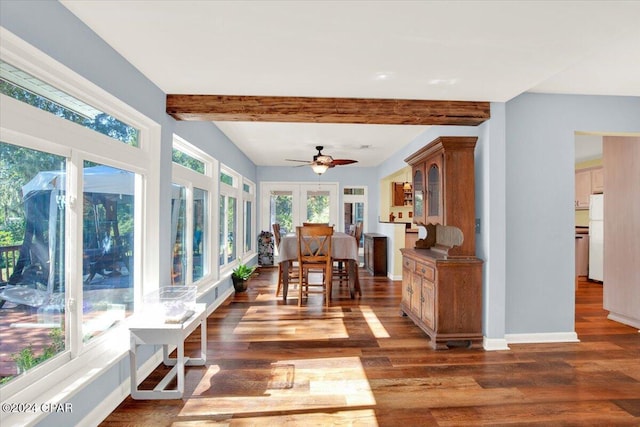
point(285, 265)
point(180, 366)
point(354, 279)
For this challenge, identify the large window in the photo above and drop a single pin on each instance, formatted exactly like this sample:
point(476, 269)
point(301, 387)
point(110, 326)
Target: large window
point(107, 254)
point(190, 214)
point(32, 267)
point(249, 198)
point(72, 178)
point(236, 218)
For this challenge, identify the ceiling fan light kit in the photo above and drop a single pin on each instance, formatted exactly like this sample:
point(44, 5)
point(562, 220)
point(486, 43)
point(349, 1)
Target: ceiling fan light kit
point(319, 168)
point(321, 162)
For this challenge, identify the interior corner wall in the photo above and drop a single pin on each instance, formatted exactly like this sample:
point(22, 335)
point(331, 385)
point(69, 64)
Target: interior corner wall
point(490, 210)
point(540, 247)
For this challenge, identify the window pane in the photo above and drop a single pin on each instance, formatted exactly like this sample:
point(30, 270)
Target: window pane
point(221, 231)
point(32, 253)
point(178, 220)
point(231, 229)
point(318, 206)
point(353, 191)
point(26, 88)
point(248, 241)
point(108, 229)
point(187, 161)
point(281, 210)
point(227, 179)
point(200, 243)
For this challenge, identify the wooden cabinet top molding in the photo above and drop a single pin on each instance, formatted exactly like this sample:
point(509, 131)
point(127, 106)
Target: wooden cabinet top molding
point(446, 143)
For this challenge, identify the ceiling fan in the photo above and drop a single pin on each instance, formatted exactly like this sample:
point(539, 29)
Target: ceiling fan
point(321, 162)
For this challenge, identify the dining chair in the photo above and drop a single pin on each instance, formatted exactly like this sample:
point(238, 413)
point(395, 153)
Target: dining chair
point(314, 253)
point(293, 270)
point(341, 270)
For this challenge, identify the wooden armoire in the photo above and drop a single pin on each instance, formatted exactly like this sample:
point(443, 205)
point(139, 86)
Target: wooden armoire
point(441, 276)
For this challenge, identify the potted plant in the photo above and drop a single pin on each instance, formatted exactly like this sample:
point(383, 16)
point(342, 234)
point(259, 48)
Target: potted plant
point(240, 277)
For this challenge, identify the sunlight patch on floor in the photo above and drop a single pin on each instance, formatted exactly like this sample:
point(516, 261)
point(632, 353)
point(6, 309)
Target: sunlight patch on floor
point(296, 386)
point(374, 323)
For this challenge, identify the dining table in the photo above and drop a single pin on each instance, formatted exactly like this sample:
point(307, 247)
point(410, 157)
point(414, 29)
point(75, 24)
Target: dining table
point(343, 247)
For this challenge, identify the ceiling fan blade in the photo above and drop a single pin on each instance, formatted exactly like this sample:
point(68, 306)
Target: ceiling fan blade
point(341, 162)
point(294, 160)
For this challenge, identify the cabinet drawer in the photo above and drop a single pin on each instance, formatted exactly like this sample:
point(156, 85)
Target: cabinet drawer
point(426, 271)
point(409, 264)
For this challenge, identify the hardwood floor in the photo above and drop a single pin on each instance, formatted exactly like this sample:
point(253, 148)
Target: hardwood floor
point(361, 363)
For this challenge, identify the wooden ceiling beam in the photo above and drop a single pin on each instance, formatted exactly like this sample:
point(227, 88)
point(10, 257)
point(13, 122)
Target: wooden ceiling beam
point(326, 110)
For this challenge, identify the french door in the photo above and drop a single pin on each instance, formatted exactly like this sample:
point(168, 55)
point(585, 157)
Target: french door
point(291, 204)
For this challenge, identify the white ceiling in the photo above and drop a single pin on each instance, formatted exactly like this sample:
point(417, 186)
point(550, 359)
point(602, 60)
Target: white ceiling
point(434, 50)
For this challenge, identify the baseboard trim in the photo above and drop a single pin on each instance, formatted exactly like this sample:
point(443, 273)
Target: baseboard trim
point(120, 393)
point(541, 338)
point(494, 344)
point(635, 323)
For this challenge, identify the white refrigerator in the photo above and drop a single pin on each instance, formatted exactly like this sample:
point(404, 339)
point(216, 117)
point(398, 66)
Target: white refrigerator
point(596, 237)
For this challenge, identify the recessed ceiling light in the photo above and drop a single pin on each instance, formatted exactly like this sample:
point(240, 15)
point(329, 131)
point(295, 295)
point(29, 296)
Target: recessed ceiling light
point(443, 82)
point(383, 75)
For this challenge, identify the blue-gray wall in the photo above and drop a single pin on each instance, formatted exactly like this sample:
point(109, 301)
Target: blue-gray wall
point(540, 190)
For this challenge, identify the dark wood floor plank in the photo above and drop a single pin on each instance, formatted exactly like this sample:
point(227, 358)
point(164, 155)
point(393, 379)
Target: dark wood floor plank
point(361, 363)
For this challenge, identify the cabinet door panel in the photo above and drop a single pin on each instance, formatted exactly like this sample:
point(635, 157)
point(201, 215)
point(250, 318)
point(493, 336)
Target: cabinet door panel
point(416, 303)
point(406, 287)
point(428, 304)
point(583, 189)
point(597, 181)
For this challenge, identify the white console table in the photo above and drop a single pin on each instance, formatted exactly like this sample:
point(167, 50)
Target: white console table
point(153, 332)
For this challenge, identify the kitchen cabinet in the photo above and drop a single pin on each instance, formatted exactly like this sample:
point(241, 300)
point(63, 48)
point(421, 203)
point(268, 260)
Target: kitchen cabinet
point(375, 253)
point(443, 297)
point(583, 189)
point(597, 181)
point(402, 194)
point(588, 181)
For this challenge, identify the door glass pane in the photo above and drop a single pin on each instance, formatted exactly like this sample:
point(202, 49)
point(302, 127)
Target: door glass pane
point(353, 213)
point(318, 206)
point(281, 210)
point(108, 230)
point(178, 220)
point(32, 248)
point(433, 189)
point(418, 201)
point(200, 244)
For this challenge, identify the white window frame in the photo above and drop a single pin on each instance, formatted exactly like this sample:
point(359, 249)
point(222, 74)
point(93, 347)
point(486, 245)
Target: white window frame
point(235, 191)
point(27, 126)
point(249, 196)
point(191, 179)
